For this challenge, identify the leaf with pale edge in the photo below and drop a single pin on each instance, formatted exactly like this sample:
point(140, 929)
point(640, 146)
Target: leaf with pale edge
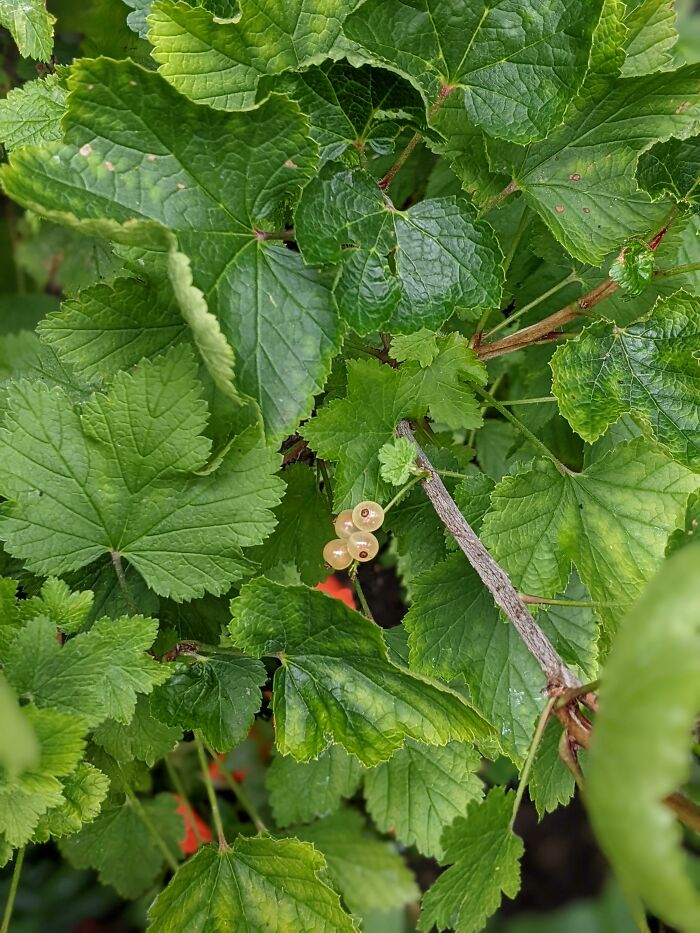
point(221, 63)
point(485, 857)
point(633, 269)
point(121, 477)
point(218, 695)
point(31, 26)
point(302, 790)
point(83, 794)
point(258, 884)
point(421, 789)
point(32, 113)
point(68, 611)
point(690, 533)
point(397, 461)
point(367, 871)
point(651, 36)
point(639, 753)
point(551, 784)
point(128, 132)
point(144, 737)
point(120, 847)
point(649, 369)
point(514, 74)
point(336, 682)
point(672, 168)
point(612, 520)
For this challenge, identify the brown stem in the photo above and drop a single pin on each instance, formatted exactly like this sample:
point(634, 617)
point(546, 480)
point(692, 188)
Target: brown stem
point(686, 811)
point(511, 187)
point(558, 675)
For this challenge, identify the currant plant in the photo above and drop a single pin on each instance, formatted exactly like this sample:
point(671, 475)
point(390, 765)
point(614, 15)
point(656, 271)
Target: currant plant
point(293, 288)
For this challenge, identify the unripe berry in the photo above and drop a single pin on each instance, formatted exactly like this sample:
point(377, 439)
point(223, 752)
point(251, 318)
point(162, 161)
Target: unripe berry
point(336, 555)
point(368, 515)
point(344, 524)
point(362, 546)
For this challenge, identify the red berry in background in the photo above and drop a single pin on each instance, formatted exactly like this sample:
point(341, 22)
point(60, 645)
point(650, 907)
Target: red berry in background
point(191, 840)
point(335, 587)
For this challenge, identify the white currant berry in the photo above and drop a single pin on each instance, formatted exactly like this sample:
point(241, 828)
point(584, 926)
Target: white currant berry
point(368, 515)
point(336, 554)
point(344, 524)
point(362, 546)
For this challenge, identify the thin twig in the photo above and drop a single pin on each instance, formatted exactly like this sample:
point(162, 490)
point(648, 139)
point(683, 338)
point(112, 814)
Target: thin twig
point(501, 196)
point(239, 793)
point(14, 884)
point(151, 827)
point(361, 596)
point(559, 675)
point(569, 280)
point(179, 789)
point(211, 794)
point(532, 751)
point(121, 578)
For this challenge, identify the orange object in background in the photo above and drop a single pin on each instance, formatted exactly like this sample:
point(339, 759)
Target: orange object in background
point(215, 772)
point(335, 587)
point(192, 840)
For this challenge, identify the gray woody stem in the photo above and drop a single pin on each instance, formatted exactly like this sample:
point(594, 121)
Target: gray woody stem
point(558, 675)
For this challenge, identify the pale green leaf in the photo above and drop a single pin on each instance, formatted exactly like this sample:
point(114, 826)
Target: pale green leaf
point(121, 477)
point(551, 784)
point(421, 789)
point(32, 113)
point(514, 74)
point(633, 269)
point(20, 751)
point(302, 790)
point(218, 695)
point(612, 520)
point(218, 198)
point(456, 631)
point(67, 611)
point(367, 871)
point(649, 369)
point(485, 857)
point(120, 847)
point(336, 681)
point(31, 26)
point(651, 36)
point(420, 347)
point(581, 179)
point(83, 793)
point(397, 461)
point(649, 700)
point(221, 63)
point(258, 884)
point(95, 675)
point(144, 737)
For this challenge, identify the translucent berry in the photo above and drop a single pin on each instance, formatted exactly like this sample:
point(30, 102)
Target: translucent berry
point(336, 555)
point(368, 515)
point(344, 524)
point(362, 546)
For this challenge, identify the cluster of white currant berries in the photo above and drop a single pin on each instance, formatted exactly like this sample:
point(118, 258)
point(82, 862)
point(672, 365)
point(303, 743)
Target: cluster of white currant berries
point(355, 541)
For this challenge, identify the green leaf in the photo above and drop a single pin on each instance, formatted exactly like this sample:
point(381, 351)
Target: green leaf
point(581, 179)
point(639, 752)
point(144, 737)
point(125, 481)
point(367, 871)
point(83, 793)
point(551, 784)
point(218, 695)
point(421, 789)
point(26, 796)
point(219, 209)
point(67, 611)
point(648, 369)
point(21, 750)
point(31, 26)
point(456, 631)
point(514, 74)
point(120, 847)
point(672, 168)
point(485, 857)
point(397, 461)
point(221, 63)
point(473, 498)
point(107, 328)
point(420, 347)
point(633, 269)
point(32, 113)
point(95, 676)
point(651, 36)
point(262, 883)
point(689, 534)
point(304, 523)
point(301, 791)
point(336, 681)
point(612, 520)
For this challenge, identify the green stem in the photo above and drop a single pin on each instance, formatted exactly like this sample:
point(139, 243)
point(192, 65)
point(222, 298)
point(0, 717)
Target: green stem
point(211, 794)
point(328, 489)
point(523, 224)
point(534, 745)
point(445, 91)
point(530, 401)
point(14, 884)
point(121, 578)
point(179, 788)
point(581, 603)
point(361, 596)
point(571, 277)
point(453, 473)
point(240, 794)
point(151, 827)
point(678, 270)
point(526, 432)
point(404, 489)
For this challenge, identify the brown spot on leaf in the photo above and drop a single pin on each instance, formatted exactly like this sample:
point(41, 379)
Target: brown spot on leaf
point(180, 185)
point(586, 210)
point(559, 208)
point(108, 165)
point(575, 177)
point(290, 164)
point(85, 150)
point(681, 107)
